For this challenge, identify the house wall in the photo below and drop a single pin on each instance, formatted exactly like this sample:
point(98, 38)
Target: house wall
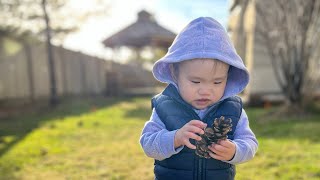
point(263, 83)
point(254, 55)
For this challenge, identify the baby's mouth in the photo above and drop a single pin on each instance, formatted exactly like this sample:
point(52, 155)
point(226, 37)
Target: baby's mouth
point(202, 101)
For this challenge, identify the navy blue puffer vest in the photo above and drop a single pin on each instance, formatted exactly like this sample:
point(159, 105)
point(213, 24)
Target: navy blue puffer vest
point(174, 112)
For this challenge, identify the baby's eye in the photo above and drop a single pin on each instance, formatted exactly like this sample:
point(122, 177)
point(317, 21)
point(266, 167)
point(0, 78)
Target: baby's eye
point(196, 82)
point(218, 82)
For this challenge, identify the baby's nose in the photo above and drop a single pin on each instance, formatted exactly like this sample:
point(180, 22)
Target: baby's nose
point(204, 91)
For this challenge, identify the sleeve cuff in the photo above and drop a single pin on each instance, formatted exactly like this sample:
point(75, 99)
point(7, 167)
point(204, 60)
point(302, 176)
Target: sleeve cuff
point(167, 144)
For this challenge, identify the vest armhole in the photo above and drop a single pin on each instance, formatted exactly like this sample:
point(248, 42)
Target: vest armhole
point(153, 103)
point(239, 119)
point(156, 104)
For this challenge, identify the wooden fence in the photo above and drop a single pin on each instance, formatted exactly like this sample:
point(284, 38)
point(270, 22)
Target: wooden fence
point(24, 74)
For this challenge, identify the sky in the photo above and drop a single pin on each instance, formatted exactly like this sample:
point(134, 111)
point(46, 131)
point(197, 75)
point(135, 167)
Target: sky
point(171, 14)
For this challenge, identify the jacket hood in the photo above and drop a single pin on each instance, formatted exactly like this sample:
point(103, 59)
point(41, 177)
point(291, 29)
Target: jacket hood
point(204, 37)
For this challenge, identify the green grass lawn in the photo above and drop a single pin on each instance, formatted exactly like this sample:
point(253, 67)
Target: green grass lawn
point(99, 139)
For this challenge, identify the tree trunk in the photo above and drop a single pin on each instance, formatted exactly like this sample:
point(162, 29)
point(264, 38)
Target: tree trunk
point(29, 69)
point(51, 67)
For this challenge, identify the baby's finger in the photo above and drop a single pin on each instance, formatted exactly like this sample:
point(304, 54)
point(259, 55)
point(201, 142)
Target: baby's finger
point(193, 136)
point(220, 148)
point(216, 151)
point(216, 156)
point(198, 123)
point(226, 143)
point(195, 129)
point(189, 145)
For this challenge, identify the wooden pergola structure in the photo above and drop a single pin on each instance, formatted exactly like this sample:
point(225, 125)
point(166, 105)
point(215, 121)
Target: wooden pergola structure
point(144, 32)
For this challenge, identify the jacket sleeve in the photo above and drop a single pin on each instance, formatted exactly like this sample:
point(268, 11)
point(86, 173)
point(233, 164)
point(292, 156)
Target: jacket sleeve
point(156, 141)
point(245, 141)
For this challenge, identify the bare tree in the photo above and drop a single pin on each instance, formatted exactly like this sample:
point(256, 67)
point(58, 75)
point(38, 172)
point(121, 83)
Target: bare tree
point(24, 19)
point(19, 17)
point(290, 31)
point(47, 19)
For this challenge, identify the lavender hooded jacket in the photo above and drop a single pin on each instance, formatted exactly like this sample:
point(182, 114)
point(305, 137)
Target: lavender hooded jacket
point(203, 37)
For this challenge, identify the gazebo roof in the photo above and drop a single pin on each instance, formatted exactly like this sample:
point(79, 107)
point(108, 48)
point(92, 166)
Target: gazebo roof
point(144, 32)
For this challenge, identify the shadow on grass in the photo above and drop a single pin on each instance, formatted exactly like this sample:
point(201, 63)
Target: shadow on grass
point(139, 113)
point(14, 129)
point(142, 110)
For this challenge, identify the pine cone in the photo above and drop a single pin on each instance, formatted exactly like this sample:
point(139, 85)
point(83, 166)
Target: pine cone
point(218, 131)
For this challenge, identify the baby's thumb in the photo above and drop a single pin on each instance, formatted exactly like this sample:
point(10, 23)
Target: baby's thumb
point(204, 125)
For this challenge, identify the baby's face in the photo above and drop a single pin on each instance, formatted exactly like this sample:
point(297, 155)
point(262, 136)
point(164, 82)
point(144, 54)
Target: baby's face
point(202, 82)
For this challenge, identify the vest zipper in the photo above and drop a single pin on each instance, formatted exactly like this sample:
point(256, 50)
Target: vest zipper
point(199, 161)
point(200, 165)
point(200, 169)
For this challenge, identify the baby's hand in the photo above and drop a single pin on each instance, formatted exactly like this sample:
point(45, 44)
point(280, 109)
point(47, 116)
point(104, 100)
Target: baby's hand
point(189, 130)
point(224, 150)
